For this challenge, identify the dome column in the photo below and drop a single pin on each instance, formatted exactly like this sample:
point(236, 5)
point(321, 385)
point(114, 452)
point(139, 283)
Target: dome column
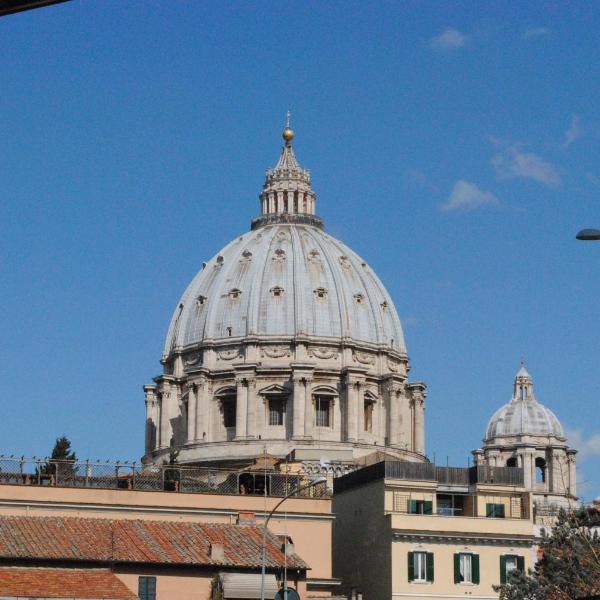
point(308, 408)
point(240, 408)
point(151, 418)
point(202, 409)
point(166, 400)
point(191, 413)
point(245, 422)
point(355, 380)
point(393, 397)
point(528, 478)
point(572, 472)
point(299, 405)
point(418, 402)
point(302, 401)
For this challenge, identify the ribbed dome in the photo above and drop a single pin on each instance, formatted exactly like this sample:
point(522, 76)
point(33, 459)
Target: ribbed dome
point(523, 415)
point(286, 280)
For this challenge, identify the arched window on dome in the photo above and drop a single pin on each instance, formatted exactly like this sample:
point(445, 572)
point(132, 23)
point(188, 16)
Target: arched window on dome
point(540, 470)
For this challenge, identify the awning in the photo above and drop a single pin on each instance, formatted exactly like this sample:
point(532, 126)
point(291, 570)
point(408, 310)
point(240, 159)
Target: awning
point(247, 585)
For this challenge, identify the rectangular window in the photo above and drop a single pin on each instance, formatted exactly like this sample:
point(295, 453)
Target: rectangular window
point(323, 411)
point(466, 568)
point(420, 566)
point(276, 411)
point(368, 424)
point(420, 507)
point(228, 407)
point(147, 588)
point(494, 510)
point(508, 563)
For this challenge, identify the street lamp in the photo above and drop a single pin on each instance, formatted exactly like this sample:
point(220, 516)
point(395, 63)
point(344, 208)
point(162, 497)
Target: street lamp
point(588, 234)
point(312, 483)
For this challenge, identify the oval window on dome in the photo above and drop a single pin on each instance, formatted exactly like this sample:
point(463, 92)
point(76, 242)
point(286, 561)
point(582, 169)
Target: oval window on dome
point(320, 293)
point(234, 293)
point(276, 291)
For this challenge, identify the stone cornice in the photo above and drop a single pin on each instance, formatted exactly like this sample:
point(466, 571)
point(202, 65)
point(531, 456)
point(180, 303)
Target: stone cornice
point(460, 537)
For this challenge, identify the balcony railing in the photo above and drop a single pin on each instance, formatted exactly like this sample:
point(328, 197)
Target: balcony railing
point(132, 476)
point(448, 476)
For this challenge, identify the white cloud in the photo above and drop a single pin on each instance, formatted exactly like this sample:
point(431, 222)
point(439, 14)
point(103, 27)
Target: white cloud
point(574, 131)
point(512, 162)
point(588, 447)
point(449, 39)
point(534, 32)
point(467, 196)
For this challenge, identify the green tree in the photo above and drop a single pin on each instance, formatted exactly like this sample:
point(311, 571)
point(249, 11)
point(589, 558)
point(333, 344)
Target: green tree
point(569, 564)
point(62, 460)
point(62, 450)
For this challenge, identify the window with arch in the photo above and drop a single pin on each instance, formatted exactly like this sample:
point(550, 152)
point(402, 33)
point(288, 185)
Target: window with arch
point(512, 462)
point(540, 470)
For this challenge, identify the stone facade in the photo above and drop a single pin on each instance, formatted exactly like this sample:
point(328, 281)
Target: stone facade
point(287, 343)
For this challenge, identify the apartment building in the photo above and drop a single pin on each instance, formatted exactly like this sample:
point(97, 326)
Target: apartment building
point(410, 530)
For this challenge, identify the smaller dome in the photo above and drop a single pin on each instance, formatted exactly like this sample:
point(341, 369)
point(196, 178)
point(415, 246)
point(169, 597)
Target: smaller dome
point(523, 415)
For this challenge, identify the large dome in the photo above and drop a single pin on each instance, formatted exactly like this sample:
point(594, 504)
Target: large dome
point(523, 415)
point(286, 342)
point(285, 280)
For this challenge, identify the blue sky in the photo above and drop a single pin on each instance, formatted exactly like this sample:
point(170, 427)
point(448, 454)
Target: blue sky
point(454, 146)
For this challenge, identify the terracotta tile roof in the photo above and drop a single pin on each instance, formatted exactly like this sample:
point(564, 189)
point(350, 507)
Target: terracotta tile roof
point(62, 583)
point(136, 541)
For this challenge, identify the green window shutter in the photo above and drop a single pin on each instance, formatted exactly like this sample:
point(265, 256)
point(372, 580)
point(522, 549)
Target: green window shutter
point(457, 568)
point(429, 566)
point(500, 511)
point(475, 567)
point(427, 507)
point(521, 563)
point(503, 569)
point(412, 507)
point(411, 566)
point(489, 510)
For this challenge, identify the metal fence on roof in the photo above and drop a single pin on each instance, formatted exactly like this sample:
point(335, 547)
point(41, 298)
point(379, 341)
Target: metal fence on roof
point(132, 476)
point(413, 471)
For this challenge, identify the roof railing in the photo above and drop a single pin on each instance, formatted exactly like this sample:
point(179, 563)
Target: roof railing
point(133, 476)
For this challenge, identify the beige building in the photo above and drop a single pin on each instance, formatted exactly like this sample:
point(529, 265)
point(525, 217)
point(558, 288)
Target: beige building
point(419, 531)
point(231, 502)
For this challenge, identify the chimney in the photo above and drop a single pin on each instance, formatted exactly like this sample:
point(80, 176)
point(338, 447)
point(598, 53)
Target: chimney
point(216, 551)
point(246, 518)
point(288, 546)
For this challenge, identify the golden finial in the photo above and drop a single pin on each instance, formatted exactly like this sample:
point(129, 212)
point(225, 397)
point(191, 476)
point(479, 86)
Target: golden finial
point(288, 133)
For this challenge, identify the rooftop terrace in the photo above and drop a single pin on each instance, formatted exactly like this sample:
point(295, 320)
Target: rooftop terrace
point(444, 476)
point(35, 471)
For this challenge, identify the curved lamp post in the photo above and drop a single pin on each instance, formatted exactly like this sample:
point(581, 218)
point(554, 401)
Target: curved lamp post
point(588, 234)
point(312, 483)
